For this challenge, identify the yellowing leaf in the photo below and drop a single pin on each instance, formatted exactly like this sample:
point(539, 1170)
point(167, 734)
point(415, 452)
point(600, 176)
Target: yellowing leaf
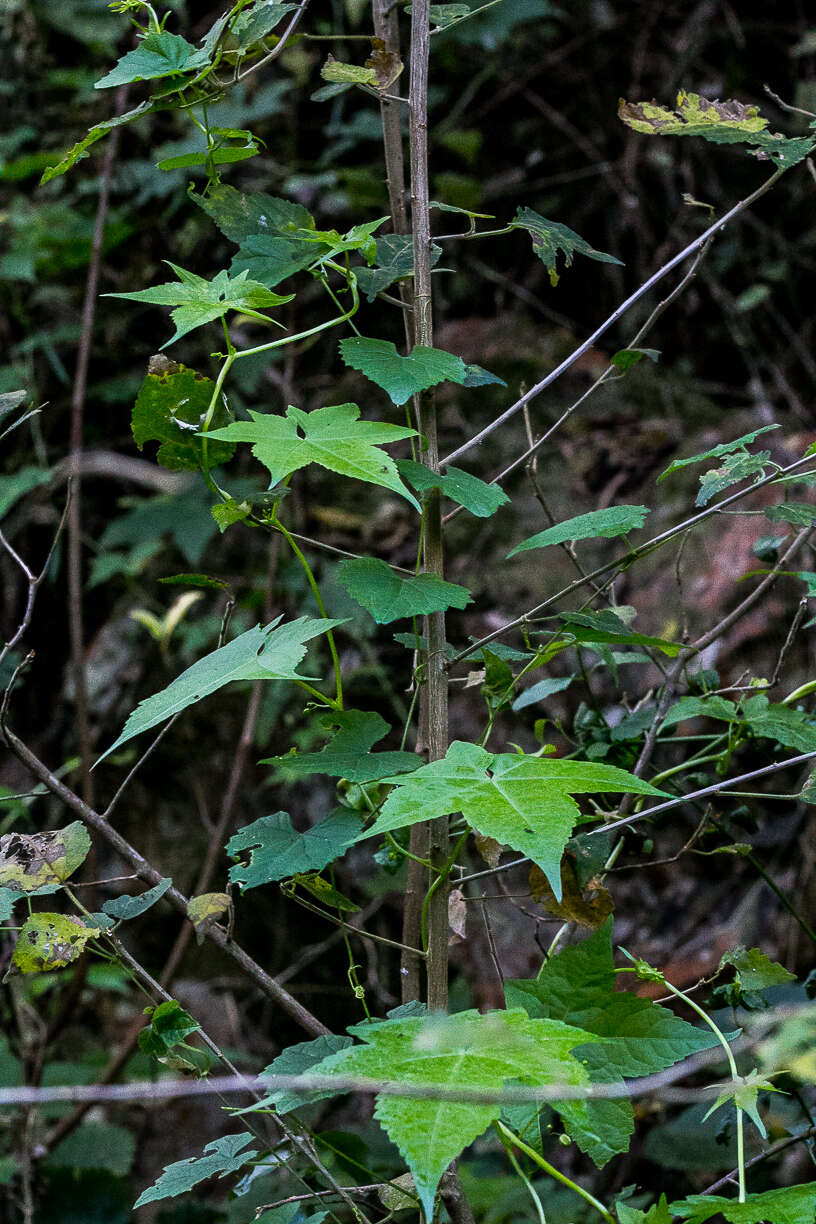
point(50, 941)
point(29, 860)
point(206, 909)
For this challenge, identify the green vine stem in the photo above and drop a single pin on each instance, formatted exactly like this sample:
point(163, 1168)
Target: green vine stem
point(507, 1136)
point(441, 878)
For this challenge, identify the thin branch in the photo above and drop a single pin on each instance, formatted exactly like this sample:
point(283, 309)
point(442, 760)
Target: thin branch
point(617, 314)
point(773, 1150)
point(145, 871)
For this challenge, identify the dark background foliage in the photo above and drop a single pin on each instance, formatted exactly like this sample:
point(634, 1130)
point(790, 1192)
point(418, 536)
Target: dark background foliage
point(523, 113)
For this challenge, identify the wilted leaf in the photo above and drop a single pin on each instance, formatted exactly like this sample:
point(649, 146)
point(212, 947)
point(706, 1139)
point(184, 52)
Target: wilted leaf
point(50, 941)
point(457, 916)
point(29, 860)
point(204, 910)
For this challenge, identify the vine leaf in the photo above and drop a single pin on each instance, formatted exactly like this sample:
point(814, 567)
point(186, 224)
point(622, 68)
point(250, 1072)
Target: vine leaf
point(394, 261)
point(222, 1156)
point(171, 406)
point(606, 524)
point(716, 452)
point(475, 495)
point(160, 54)
point(798, 514)
point(80, 149)
point(333, 437)
point(551, 238)
point(205, 910)
point(467, 1050)
point(606, 628)
point(29, 860)
point(754, 972)
point(728, 122)
point(388, 595)
point(49, 941)
point(658, 1213)
point(240, 216)
point(401, 377)
point(198, 301)
point(633, 1036)
point(792, 728)
point(271, 652)
point(277, 851)
point(733, 469)
point(520, 801)
point(348, 754)
point(792, 1205)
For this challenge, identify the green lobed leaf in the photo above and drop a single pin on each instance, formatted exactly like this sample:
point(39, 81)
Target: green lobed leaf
point(465, 1050)
point(30, 860)
point(348, 754)
point(388, 595)
point(160, 54)
point(333, 437)
point(394, 261)
point(657, 1214)
point(125, 908)
point(754, 970)
point(271, 652)
point(226, 1155)
point(716, 452)
point(519, 801)
point(792, 728)
point(241, 215)
point(475, 495)
point(791, 1205)
point(49, 941)
point(477, 376)
point(701, 707)
point(615, 521)
point(551, 239)
point(401, 377)
point(198, 301)
point(635, 1037)
point(277, 851)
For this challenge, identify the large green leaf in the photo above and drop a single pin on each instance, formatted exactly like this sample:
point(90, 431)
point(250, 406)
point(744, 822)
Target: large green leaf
point(226, 1155)
point(615, 521)
point(467, 1050)
point(635, 1037)
point(728, 122)
point(551, 238)
point(792, 728)
point(160, 54)
point(388, 595)
point(401, 377)
point(333, 437)
point(519, 801)
point(348, 754)
point(271, 652)
point(792, 1205)
point(171, 406)
point(198, 301)
point(277, 851)
point(29, 860)
point(475, 495)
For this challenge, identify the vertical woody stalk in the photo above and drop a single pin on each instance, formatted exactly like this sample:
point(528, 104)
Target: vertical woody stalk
point(435, 686)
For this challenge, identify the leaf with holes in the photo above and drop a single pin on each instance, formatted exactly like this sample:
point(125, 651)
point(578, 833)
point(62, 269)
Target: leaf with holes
point(271, 652)
point(606, 524)
point(333, 437)
point(277, 851)
point(520, 801)
point(49, 941)
point(348, 754)
point(198, 301)
point(388, 595)
point(29, 860)
point(171, 406)
point(401, 377)
point(551, 239)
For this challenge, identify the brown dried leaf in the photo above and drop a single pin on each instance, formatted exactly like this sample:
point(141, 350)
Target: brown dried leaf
point(589, 908)
point(489, 848)
point(457, 916)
